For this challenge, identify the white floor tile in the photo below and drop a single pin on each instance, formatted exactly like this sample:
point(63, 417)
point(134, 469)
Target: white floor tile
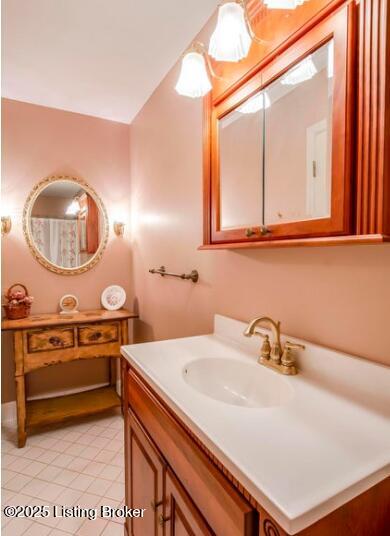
point(20, 464)
point(49, 473)
point(69, 497)
point(78, 464)
point(92, 528)
point(34, 468)
point(50, 492)
point(60, 445)
point(70, 524)
point(116, 491)
point(94, 468)
point(110, 472)
point(89, 452)
point(58, 532)
point(37, 529)
point(65, 477)
point(62, 460)
point(113, 529)
point(88, 500)
point(99, 487)
point(104, 456)
point(74, 449)
point(34, 453)
point(17, 526)
point(17, 483)
point(33, 487)
point(81, 482)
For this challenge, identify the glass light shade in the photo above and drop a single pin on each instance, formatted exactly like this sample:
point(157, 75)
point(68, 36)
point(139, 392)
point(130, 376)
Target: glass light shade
point(194, 80)
point(73, 208)
point(302, 72)
point(230, 40)
point(256, 103)
point(283, 4)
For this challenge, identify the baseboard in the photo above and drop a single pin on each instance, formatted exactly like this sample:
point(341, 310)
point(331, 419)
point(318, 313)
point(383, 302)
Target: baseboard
point(8, 412)
point(8, 409)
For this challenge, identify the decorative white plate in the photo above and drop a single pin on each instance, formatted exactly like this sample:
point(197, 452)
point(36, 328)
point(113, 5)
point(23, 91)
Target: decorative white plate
point(113, 297)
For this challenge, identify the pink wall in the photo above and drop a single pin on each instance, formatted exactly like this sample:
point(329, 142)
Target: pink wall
point(37, 142)
point(338, 296)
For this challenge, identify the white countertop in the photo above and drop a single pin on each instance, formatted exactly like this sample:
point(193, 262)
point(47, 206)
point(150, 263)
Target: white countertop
point(327, 444)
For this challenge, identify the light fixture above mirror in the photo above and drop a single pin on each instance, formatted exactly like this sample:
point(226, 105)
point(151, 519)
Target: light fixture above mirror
point(231, 39)
point(230, 42)
point(194, 79)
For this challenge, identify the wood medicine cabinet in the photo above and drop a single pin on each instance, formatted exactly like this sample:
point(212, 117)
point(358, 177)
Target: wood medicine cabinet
point(285, 154)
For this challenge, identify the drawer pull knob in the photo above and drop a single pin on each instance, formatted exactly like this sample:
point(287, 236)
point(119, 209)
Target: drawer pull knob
point(56, 341)
point(155, 504)
point(162, 520)
point(95, 336)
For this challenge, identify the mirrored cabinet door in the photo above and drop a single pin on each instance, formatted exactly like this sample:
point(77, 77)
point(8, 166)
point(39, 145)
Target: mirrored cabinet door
point(280, 145)
point(298, 140)
point(241, 166)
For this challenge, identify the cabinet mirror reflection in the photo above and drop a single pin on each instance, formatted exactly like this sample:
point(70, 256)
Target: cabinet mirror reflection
point(275, 148)
point(66, 225)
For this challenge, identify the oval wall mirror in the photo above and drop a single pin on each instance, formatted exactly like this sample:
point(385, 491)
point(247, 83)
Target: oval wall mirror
point(65, 224)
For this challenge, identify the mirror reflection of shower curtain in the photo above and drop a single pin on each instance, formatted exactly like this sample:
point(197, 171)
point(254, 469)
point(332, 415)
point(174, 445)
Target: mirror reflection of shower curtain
point(57, 240)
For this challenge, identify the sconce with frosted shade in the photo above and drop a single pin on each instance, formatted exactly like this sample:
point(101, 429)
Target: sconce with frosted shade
point(231, 39)
point(6, 221)
point(194, 80)
point(119, 218)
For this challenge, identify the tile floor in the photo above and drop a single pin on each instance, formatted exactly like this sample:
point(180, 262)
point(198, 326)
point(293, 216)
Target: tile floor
point(75, 464)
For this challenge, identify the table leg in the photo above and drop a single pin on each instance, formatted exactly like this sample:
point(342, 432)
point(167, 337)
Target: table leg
point(21, 410)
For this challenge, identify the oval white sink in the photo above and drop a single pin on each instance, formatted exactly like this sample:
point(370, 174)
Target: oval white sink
point(237, 383)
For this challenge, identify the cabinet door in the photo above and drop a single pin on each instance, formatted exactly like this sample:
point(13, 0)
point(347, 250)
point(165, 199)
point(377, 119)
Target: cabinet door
point(144, 480)
point(181, 516)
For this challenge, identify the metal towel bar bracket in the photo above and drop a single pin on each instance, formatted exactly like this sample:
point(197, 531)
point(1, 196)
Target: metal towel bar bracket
point(194, 276)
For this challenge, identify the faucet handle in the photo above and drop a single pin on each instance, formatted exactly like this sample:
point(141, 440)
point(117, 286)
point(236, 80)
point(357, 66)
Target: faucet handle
point(294, 346)
point(287, 360)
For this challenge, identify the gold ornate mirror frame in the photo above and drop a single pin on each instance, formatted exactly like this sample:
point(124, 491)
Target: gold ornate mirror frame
point(38, 188)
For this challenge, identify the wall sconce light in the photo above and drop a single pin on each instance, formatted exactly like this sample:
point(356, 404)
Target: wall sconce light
point(232, 37)
point(194, 78)
point(119, 228)
point(6, 225)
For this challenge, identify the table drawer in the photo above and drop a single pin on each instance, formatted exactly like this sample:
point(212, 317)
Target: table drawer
point(49, 339)
point(98, 334)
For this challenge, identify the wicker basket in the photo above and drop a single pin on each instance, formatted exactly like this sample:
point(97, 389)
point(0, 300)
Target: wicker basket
point(21, 310)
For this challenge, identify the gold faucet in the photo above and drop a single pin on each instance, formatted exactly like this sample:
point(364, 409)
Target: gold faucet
point(272, 355)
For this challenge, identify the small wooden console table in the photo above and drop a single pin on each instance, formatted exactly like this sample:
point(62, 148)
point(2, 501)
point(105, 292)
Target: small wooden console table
point(50, 339)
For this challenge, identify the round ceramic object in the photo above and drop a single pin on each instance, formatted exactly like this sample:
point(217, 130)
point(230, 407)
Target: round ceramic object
point(113, 297)
point(68, 304)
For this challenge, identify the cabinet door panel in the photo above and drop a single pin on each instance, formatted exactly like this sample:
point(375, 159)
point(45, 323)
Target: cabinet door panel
point(181, 515)
point(144, 477)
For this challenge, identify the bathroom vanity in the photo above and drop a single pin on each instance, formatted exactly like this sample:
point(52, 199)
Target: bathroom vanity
point(216, 443)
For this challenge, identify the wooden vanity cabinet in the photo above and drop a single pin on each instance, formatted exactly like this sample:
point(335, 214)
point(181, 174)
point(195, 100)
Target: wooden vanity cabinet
point(195, 497)
point(188, 492)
